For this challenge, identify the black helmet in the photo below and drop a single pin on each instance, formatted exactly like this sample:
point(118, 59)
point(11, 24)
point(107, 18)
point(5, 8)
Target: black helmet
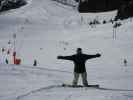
point(79, 49)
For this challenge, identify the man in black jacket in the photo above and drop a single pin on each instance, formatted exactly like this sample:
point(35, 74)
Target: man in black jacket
point(79, 60)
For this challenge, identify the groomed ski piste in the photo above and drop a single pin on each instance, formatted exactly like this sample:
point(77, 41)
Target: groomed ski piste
point(45, 29)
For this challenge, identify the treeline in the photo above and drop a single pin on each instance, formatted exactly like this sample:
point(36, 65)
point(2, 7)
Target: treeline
point(125, 10)
point(98, 5)
point(124, 7)
point(11, 4)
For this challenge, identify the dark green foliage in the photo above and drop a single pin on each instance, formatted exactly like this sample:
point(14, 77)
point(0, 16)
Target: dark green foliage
point(117, 24)
point(125, 11)
point(104, 22)
point(98, 5)
point(94, 22)
point(12, 5)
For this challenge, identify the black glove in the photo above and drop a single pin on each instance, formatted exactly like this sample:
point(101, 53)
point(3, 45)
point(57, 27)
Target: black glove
point(59, 57)
point(98, 54)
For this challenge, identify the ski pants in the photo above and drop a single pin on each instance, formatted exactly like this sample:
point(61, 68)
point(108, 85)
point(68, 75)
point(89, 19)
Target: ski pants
point(84, 78)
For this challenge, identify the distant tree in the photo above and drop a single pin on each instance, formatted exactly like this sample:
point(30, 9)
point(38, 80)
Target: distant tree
point(111, 21)
point(11, 4)
point(104, 22)
point(106, 3)
point(125, 10)
point(115, 26)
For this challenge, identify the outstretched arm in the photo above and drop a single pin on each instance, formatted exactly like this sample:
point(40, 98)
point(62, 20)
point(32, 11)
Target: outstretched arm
point(65, 57)
point(93, 56)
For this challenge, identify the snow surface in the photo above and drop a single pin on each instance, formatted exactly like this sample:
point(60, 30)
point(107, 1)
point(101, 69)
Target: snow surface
point(45, 29)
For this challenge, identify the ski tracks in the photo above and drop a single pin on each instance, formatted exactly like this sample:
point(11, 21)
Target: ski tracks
point(36, 91)
point(59, 86)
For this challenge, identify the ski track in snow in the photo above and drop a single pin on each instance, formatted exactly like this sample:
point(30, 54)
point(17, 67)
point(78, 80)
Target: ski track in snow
point(68, 98)
point(55, 87)
point(37, 90)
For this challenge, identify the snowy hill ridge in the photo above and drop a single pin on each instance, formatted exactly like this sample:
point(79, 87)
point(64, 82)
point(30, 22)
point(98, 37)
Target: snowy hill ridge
point(45, 29)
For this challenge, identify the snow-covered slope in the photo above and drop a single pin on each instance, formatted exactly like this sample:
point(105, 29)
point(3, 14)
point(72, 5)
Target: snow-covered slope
point(35, 83)
point(45, 29)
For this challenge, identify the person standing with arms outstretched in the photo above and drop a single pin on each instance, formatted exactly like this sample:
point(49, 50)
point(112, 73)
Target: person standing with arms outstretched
point(79, 60)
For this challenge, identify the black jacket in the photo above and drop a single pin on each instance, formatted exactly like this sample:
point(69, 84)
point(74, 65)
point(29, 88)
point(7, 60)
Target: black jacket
point(79, 61)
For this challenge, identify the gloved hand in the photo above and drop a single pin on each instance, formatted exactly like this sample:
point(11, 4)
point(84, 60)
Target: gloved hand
point(59, 57)
point(98, 55)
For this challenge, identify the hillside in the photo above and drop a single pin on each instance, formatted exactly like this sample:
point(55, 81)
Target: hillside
point(45, 29)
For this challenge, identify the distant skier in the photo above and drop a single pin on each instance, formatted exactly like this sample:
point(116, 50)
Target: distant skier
point(35, 63)
point(79, 60)
point(125, 62)
point(6, 61)
point(3, 49)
